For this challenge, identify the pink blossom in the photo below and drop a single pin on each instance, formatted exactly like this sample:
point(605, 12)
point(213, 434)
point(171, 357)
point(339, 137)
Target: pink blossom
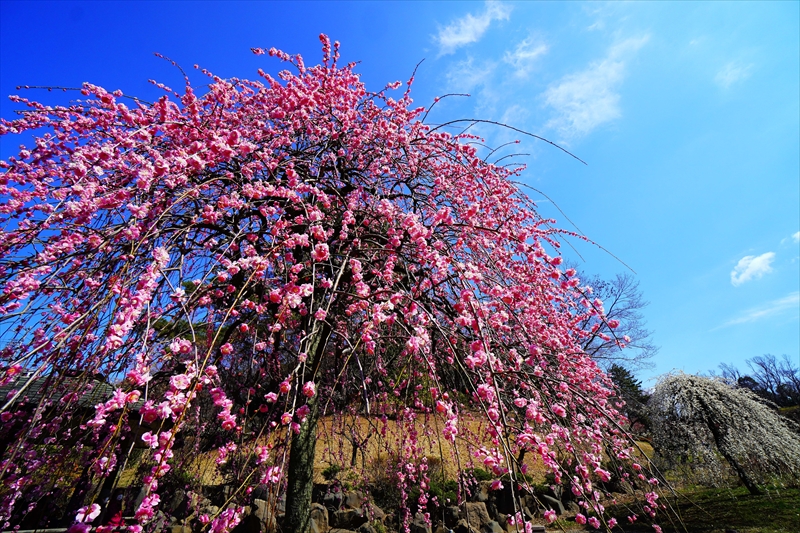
point(87, 514)
point(180, 382)
point(227, 520)
point(320, 252)
point(137, 377)
point(133, 396)
point(273, 474)
point(228, 421)
point(580, 519)
point(309, 389)
point(302, 412)
point(594, 522)
point(180, 346)
point(150, 439)
point(226, 349)
point(550, 516)
point(145, 511)
point(559, 410)
point(485, 392)
point(603, 474)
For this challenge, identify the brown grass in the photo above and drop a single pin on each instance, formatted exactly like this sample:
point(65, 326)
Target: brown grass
point(388, 442)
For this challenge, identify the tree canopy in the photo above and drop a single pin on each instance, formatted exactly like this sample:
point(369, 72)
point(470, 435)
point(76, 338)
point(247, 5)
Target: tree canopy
point(251, 257)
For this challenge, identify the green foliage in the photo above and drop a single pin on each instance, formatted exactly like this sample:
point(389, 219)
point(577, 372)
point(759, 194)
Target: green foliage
point(331, 472)
point(635, 398)
point(629, 387)
point(482, 475)
point(444, 490)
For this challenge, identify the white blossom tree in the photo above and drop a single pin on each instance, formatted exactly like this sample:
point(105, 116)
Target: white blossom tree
point(698, 419)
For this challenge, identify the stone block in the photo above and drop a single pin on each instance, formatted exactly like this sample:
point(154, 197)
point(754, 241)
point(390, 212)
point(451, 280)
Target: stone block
point(476, 514)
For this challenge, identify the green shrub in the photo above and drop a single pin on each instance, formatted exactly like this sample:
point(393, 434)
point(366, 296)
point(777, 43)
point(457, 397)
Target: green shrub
point(444, 490)
point(482, 475)
point(331, 472)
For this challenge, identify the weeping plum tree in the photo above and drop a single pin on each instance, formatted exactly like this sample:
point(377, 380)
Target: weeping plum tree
point(248, 259)
point(696, 420)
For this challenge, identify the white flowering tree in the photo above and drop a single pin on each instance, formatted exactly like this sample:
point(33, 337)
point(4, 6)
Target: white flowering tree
point(700, 420)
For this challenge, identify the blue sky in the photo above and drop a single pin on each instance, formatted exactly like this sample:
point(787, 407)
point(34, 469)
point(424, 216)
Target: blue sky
point(688, 115)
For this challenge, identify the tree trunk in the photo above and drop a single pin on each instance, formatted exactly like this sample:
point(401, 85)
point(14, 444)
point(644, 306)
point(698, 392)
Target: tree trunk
point(301, 474)
point(301, 454)
point(748, 481)
point(741, 471)
point(354, 454)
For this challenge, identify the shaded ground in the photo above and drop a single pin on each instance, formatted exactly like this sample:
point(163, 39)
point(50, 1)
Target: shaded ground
point(722, 510)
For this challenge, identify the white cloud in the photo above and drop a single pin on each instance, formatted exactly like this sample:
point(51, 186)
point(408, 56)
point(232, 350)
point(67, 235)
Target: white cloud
point(514, 114)
point(525, 55)
point(470, 28)
point(733, 72)
point(585, 100)
point(751, 267)
point(775, 307)
point(465, 76)
point(795, 237)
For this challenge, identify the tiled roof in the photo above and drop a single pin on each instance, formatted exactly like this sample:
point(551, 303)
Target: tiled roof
point(54, 387)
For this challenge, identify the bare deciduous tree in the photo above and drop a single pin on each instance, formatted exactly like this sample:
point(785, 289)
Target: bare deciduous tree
point(623, 303)
point(777, 380)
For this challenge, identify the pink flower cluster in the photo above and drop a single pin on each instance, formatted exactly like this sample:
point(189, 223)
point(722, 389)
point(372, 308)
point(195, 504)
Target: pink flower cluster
point(246, 258)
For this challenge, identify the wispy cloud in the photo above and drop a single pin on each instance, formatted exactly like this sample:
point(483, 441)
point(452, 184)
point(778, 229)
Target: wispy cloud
point(732, 73)
point(751, 267)
point(585, 100)
point(470, 28)
point(466, 75)
point(794, 237)
point(525, 55)
point(789, 302)
point(514, 114)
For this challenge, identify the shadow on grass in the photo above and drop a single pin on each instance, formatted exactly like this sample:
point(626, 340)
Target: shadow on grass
point(721, 510)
